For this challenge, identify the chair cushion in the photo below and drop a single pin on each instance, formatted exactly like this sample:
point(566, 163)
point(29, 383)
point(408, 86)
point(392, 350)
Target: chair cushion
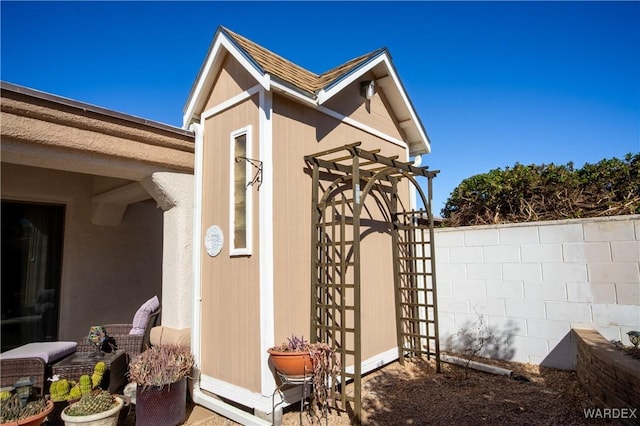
point(49, 352)
point(141, 318)
point(162, 335)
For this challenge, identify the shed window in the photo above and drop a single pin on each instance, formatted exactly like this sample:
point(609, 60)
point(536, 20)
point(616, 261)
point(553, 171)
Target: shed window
point(240, 192)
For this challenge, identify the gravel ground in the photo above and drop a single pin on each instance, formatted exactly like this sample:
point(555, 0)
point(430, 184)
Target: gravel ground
point(414, 394)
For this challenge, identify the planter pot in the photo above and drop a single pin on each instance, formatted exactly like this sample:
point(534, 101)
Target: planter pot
point(106, 418)
point(35, 420)
point(165, 406)
point(126, 408)
point(291, 364)
point(54, 418)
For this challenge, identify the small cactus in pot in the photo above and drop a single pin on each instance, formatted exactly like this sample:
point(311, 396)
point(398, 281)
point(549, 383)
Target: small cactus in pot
point(69, 390)
point(96, 405)
point(94, 402)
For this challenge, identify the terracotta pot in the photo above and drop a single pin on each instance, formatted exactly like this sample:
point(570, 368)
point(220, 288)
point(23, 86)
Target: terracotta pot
point(291, 364)
point(35, 420)
point(106, 418)
point(165, 406)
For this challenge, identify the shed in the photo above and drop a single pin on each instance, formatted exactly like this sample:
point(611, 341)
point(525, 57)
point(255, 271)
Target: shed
point(261, 122)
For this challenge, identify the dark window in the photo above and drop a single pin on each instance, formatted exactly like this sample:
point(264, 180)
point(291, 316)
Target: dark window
point(31, 262)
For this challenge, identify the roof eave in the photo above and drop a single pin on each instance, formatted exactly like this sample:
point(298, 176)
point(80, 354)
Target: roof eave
point(417, 138)
point(220, 45)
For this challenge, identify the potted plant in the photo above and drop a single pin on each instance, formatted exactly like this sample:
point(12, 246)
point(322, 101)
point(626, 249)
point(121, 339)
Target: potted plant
point(14, 412)
point(97, 408)
point(297, 358)
point(64, 392)
point(161, 374)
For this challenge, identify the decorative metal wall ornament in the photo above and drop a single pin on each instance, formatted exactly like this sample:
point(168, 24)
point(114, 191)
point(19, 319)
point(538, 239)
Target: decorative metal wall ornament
point(214, 240)
point(257, 178)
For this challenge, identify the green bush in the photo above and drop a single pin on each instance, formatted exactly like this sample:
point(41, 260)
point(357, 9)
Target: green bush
point(546, 192)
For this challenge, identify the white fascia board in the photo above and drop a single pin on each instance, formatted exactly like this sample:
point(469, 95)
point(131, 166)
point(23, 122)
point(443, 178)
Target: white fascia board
point(407, 104)
point(293, 93)
point(325, 95)
point(207, 74)
point(390, 79)
point(261, 77)
point(203, 80)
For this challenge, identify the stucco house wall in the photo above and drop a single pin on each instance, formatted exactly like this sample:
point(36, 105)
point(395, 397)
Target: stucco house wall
point(104, 276)
point(127, 187)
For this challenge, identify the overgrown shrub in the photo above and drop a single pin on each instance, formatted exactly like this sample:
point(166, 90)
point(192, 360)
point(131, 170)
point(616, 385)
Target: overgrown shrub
point(546, 192)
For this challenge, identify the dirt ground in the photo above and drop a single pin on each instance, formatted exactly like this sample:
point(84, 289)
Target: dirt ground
point(414, 394)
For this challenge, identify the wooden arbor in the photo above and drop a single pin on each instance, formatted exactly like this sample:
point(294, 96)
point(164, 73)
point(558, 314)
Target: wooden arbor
point(343, 178)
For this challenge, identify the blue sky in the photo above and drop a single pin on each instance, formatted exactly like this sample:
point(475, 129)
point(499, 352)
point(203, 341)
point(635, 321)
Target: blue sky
point(494, 83)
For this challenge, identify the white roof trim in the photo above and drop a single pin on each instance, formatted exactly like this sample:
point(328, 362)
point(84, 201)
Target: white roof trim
point(407, 104)
point(221, 44)
point(293, 93)
point(390, 82)
point(417, 138)
point(352, 76)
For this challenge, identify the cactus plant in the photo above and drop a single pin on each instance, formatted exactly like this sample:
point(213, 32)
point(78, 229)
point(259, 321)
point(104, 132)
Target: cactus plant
point(59, 390)
point(98, 373)
point(94, 402)
point(66, 390)
point(75, 392)
point(12, 410)
point(85, 384)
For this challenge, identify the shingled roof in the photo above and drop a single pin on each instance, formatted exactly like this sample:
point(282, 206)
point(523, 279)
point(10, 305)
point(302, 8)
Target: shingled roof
point(273, 72)
point(290, 73)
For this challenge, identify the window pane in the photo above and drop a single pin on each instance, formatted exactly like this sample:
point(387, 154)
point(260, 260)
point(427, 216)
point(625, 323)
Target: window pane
point(31, 265)
point(240, 193)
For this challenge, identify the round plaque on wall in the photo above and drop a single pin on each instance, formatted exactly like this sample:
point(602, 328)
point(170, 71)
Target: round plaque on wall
point(213, 240)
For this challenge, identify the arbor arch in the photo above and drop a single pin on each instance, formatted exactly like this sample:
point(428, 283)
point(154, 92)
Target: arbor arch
point(342, 180)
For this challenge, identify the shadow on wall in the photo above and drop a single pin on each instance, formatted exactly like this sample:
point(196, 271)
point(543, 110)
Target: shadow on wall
point(479, 339)
point(476, 339)
point(563, 355)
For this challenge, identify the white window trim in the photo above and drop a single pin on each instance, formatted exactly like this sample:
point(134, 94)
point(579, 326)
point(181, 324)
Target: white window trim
point(243, 251)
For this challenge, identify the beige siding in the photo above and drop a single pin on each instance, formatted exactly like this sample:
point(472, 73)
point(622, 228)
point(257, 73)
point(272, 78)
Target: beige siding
point(230, 285)
point(232, 80)
point(374, 112)
point(300, 131)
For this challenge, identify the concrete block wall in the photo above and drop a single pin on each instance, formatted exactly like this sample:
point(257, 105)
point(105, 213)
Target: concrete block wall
point(532, 283)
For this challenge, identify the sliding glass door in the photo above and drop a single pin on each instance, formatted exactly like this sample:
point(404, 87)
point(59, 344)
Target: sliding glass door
point(32, 237)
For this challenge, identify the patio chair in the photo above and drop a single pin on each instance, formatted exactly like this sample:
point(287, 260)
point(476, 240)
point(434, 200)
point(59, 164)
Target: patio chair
point(14, 369)
point(132, 338)
point(33, 360)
